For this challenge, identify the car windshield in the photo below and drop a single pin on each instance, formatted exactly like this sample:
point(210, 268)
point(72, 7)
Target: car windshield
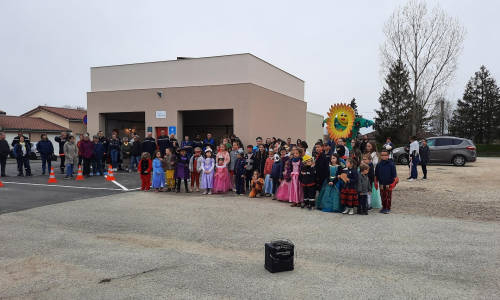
point(431, 142)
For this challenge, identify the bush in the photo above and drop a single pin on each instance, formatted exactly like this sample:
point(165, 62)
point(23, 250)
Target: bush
point(488, 150)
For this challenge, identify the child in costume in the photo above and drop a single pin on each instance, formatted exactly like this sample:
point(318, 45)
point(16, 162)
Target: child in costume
point(222, 183)
point(233, 156)
point(374, 196)
point(364, 189)
point(277, 171)
point(283, 192)
point(239, 173)
point(387, 178)
point(293, 172)
point(256, 185)
point(268, 167)
point(307, 180)
point(329, 197)
point(194, 168)
point(207, 172)
point(158, 173)
point(144, 168)
point(349, 192)
point(224, 154)
point(169, 166)
point(182, 170)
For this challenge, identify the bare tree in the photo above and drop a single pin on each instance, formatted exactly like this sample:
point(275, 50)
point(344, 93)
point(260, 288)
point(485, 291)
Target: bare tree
point(429, 43)
point(440, 116)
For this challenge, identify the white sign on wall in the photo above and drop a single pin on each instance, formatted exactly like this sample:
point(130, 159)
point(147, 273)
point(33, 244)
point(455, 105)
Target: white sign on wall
point(161, 114)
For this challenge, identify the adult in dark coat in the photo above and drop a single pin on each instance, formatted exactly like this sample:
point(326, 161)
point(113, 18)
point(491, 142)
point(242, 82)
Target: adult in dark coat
point(149, 144)
point(46, 150)
point(136, 153)
point(321, 165)
point(163, 142)
point(16, 139)
point(4, 153)
point(424, 157)
point(259, 160)
point(61, 140)
point(22, 150)
point(87, 152)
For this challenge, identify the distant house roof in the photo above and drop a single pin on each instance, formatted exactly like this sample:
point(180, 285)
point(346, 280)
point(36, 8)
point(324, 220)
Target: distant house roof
point(10, 123)
point(67, 113)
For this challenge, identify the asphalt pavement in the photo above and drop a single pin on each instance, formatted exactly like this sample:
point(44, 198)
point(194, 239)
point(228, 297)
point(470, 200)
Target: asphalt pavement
point(19, 193)
point(188, 246)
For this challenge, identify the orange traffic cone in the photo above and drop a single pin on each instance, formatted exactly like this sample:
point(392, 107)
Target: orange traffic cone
point(110, 176)
point(52, 177)
point(79, 176)
point(1, 183)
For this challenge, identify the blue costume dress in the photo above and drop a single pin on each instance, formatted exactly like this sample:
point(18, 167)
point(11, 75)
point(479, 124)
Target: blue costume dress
point(329, 196)
point(158, 174)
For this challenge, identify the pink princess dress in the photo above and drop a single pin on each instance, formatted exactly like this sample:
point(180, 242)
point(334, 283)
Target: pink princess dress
point(222, 182)
point(296, 194)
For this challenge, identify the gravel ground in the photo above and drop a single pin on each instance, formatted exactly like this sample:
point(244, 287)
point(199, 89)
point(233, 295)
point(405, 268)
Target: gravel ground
point(469, 192)
point(174, 246)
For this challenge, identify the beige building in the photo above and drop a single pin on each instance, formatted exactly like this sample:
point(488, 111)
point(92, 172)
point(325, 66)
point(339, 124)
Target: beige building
point(240, 94)
point(65, 117)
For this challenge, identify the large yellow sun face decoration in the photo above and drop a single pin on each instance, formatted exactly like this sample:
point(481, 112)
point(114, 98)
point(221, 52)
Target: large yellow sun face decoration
point(340, 121)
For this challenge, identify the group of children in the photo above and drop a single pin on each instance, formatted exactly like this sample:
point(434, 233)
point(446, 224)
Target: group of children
point(330, 181)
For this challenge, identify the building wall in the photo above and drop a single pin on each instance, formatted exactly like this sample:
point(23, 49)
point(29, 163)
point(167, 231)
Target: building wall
point(254, 108)
point(77, 127)
point(51, 118)
point(218, 70)
point(314, 128)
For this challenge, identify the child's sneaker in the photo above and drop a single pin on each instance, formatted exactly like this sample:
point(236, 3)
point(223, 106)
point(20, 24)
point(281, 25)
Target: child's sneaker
point(210, 193)
point(351, 211)
point(387, 211)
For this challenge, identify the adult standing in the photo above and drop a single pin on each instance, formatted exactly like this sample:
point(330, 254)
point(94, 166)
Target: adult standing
point(114, 151)
point(126, 151)
point(414, 158)
point(209, 142)
point(18, 137)
point(86, 152)
point(46, 150)
point(71, 155)
point(260, 159)
point(188, 145)
point(105, 143)
point(149, 144)
point(22, 149)
point(363, 143)
point(163, 142)
point(136, 153)
point(61, 140)
point(197, 142)
point(78, 145)
point(389, 146)
point(424, 157)
point(174, 144)
point(321, 166)
point(4, 154)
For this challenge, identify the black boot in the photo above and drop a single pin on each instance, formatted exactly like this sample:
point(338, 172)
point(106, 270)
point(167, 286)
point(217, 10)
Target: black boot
point(178, 185)
point(311, 204)
point(186, 186)
point(303, 204)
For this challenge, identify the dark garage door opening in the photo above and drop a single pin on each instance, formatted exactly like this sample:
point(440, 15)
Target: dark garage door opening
point(219, 122)
point(126, 123)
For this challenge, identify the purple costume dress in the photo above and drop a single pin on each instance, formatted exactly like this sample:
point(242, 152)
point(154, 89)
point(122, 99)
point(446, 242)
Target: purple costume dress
point(182, 168)
point(207, 180)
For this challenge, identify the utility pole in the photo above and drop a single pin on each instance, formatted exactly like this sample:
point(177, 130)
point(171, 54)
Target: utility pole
point(442, 116)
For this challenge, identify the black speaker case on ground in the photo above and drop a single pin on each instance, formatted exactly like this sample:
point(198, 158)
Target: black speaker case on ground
point(279, 256)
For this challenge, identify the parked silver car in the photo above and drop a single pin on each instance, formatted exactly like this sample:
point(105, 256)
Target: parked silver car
point(443, 150)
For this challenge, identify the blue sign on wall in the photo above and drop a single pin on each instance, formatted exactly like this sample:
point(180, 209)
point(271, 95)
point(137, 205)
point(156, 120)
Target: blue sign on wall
point(172, 130)
point(85, 119)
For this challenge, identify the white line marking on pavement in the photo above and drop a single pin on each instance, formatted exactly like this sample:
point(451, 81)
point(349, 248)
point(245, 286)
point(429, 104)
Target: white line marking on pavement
point(64, 186)
point(118, 184)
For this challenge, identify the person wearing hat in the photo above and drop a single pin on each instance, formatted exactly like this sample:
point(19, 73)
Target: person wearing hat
point(182, 170)
point(194, 167)
point(207, 172)
point(307, 180)
point(239, 172)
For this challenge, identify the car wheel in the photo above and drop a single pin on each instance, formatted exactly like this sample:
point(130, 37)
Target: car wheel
point(458, 160)
point(403, 159)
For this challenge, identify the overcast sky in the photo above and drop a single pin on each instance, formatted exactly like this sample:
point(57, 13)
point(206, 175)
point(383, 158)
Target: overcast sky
point(48, 47)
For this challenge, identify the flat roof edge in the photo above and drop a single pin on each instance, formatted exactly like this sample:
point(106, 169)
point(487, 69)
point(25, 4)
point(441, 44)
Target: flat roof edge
point(204, 57)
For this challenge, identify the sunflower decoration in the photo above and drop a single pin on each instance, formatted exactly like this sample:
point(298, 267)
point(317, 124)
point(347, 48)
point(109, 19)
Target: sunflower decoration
point(340, 121)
